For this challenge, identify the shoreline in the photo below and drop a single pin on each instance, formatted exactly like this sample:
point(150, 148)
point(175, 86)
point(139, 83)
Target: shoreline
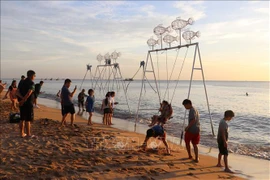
point(256, 169)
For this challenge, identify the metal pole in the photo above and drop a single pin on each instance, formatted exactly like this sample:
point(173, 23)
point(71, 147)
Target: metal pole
point(206, 92)
point(155, 77)
point(83, 79)
point(175, 47)
point(124, 88)
point(139, 103)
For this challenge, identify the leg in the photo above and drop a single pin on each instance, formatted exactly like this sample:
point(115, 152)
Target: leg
point(28, 127)
point(90, 118)
point(64, 119)
point(145, 143)
point(110, 118)
point(72, 118)
point(227, 169)
point(219, 160)
point(22, 134)
point(196, 152)
point(188, 150)
point(187, 141)
point(166, 145)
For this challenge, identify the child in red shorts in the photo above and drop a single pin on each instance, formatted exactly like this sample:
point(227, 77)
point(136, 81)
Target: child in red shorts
point(192, 130)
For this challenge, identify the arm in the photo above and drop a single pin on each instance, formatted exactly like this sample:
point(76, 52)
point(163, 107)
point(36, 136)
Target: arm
point(190, 124)
point(26, 97)
point(165, 143)
point(7, 93)
point(73, 92)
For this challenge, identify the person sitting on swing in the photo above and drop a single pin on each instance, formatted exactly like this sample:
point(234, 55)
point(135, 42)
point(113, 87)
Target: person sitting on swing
point(166, 113)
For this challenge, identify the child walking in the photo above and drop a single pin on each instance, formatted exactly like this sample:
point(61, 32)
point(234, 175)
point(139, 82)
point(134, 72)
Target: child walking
point(222, 139)
point(89, 104)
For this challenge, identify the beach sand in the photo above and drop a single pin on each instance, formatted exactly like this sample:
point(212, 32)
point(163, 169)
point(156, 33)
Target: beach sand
point(91, 152)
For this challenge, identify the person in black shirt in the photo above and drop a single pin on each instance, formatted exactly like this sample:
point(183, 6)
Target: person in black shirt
point(26, 97)
point(37, 92)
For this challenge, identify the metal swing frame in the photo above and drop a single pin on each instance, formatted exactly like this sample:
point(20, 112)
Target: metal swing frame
point(114, 74)
point(152, 70)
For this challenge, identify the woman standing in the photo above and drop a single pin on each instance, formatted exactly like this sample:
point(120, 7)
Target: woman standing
point(12, 95)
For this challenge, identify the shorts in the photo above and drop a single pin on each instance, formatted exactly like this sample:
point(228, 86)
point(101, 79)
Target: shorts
point(35, 95)
point(81, 103)
point(69, 109)
point(90, 110)
point(107, 111)
point(222, 149)
point(194, 138)
point(26, 113)
point(62, 110)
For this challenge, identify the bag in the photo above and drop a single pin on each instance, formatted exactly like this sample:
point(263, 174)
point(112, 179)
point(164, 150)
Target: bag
point(14, 117)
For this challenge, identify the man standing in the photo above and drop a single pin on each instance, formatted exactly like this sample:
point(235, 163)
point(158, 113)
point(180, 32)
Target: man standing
point(26, 98)
point(66, 101)
point(37, 92)
point(192, 130)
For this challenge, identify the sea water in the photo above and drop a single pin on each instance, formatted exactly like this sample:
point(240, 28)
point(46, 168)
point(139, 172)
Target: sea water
point(248, 130)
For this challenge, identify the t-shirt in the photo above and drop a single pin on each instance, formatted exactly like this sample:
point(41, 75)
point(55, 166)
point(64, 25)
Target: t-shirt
point(158, 130)
point(65, 95)
point(81, 96)
point(104, 105)
point(223, 127)
point(194, 114)
point(37, 88)
point(25, 86)
point(90, 103)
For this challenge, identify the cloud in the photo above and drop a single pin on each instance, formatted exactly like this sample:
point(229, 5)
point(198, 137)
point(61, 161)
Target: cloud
point(193, 9)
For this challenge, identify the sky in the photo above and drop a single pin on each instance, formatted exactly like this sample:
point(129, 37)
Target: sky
point(57, 39)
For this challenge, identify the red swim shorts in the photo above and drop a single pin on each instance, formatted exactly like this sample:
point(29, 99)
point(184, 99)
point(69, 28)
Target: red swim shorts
point(194, 138)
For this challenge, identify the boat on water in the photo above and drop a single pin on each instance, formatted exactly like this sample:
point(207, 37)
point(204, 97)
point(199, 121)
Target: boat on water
point(128, 79)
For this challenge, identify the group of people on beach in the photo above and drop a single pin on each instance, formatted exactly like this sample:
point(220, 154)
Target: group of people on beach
point(88, 105)
point(27, 93)
point(192, 131)
point(13, 90)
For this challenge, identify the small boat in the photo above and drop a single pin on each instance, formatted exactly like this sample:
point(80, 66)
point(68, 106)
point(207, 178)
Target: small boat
point(128, 79)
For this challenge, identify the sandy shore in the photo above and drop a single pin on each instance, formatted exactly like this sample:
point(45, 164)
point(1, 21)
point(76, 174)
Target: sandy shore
point(91, 152)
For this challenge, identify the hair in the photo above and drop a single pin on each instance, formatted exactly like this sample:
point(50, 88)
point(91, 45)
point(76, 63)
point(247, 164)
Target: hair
point(30, 73)
point(22, 76)
point(67, 81)
point(186, 101)
point(41, 82)
point(112, 93)
point(150, 133)
point(106, 99)
point(228, 113)
point(90, 91)
point(166, 102)
point(13, 82)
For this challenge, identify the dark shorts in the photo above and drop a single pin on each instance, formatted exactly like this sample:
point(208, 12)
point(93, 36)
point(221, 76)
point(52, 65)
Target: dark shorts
point(194, 138)
point(107, 111)
point(68, 109)
point(35, 95)
point(81, 103)
point(222, 149)
point(26, 113)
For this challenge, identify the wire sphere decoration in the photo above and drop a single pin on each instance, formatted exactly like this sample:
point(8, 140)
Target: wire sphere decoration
point(179, 23)
point(115, 55)
point(152, 42)
point(160, 30)
point(169, 39)
point(99, 57)
point(190, 35)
